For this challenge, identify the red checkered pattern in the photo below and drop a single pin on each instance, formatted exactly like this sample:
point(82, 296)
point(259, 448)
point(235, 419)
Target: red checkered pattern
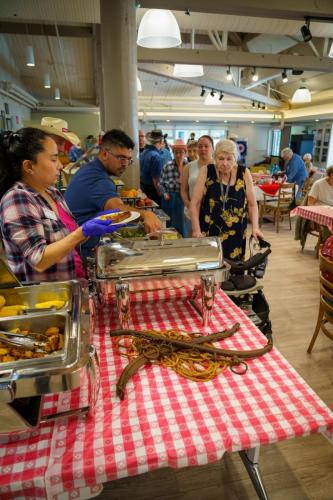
point(165, 420)
point(322, 215)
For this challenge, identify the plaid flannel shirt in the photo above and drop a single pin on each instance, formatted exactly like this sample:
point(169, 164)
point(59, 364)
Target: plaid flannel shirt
point(28, 225)
point(170, 178)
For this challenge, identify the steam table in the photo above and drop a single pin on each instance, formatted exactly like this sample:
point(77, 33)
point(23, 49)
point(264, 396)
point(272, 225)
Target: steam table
point(164, 421)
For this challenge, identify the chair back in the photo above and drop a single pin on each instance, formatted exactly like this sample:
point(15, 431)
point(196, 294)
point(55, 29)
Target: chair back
point(286, 196)
point(326, 287)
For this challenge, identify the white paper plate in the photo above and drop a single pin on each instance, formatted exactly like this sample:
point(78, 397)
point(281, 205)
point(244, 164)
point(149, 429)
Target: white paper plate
point(130, 218)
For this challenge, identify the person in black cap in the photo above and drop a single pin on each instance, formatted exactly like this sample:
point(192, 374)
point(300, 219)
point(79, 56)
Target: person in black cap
point(151, 164)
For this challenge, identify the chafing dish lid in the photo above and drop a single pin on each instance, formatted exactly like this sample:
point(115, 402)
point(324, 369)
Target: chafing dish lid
point(7, 277)
point(129, 258)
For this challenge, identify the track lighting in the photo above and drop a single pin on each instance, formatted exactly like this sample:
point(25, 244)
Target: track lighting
point(253, 104)
point(203, 91)
point(221, 96)
point(305, 30)
point(255, 76)
point(264, 106)
point(284, 76)
point(229, 75)
point(258, 105)
point(212, 92)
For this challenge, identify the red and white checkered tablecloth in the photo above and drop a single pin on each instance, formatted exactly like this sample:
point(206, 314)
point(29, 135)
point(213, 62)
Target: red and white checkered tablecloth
point(164, 420)
point(321, 214)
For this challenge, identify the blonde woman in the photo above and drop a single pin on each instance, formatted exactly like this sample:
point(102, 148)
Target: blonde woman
point(191, 172)
point(222, 200)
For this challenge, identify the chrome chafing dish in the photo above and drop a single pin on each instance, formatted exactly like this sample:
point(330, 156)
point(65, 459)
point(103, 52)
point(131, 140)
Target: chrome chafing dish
point(24, 382)
point(123, 267)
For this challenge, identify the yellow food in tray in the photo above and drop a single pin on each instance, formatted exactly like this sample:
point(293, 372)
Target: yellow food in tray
point(12, 310)
point(56, 342)
point(58, 304)
point(2, 301)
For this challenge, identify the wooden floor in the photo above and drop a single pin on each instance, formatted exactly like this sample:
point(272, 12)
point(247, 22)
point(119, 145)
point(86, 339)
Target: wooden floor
point(292, 470)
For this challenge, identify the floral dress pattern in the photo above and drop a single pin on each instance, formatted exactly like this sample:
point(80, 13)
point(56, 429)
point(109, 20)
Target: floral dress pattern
point(223, 212)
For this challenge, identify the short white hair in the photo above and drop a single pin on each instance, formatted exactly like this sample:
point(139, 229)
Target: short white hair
point(307, 156)
point(286, 151)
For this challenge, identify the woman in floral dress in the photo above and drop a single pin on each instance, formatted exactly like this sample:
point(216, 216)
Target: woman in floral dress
point(223, 198)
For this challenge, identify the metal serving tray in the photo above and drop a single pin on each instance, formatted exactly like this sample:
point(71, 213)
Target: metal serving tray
point(33, 294)
point(157, 257)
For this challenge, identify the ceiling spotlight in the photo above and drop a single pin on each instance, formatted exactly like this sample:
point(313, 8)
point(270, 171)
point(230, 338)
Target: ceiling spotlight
point(212, 92)
point(30, 57)
point(252, 121)
point(187, 12)
point(47, 81)
point(229, 75)
point(221, 96)
point(305, 30)
point(225, 121)
point(264, 106)
point(259, 105)
point(203, 91)
point(316, 120)
point(253, 104)
point(255, 76)
point(284, 76)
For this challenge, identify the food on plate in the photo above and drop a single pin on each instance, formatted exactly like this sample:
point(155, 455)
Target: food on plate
point(58, 304)
point(116, 217)
point(12, 353)
point(129, 193)
point(148, 202)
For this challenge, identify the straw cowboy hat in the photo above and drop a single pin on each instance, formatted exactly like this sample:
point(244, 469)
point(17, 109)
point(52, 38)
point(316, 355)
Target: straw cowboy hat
point(59, 127)
point(179, 144)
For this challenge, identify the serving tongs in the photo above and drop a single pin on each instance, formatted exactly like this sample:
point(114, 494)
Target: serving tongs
point(29, 341)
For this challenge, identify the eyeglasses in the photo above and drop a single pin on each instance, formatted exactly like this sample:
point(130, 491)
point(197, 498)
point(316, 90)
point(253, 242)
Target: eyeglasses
point(122, 159)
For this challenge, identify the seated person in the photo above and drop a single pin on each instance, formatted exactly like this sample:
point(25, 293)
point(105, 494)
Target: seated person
point(274, 165)
point(321, 192)
point(92, 190)
point(39, 233)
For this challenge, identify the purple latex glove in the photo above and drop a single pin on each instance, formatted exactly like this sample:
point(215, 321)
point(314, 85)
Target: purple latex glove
point(98, 227)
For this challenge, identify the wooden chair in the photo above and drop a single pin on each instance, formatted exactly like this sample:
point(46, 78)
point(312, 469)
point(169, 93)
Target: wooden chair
point(280, 206)
point(325, 314)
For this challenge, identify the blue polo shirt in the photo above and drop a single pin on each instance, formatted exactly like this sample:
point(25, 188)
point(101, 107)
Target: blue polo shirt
point(151, 164)
point(89, 190)
point(296, 171)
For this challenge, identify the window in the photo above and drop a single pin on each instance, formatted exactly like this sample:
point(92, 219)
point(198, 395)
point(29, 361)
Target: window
point(274, 143)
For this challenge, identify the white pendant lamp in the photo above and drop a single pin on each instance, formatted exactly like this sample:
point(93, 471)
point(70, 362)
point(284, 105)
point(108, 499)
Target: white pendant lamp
point(301, 95)
point(47, 81)
point(57, 93)
point(213, 100)
point(188, 70)
point(30, 56)
point(138, 84)
point(159, 30)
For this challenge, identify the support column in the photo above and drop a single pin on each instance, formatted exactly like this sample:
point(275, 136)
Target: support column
point(118, 103)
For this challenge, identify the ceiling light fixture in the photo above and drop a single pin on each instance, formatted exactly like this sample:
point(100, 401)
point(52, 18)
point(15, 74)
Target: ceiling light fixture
point(253, 104)
point(284, 76)
point(212, 99)
point(47, 81)
point(212, 92)
point(30, 56)
point(252, 121)
point(301, 95)
point(229, 75)
point(225, 121)
point(203, 91)
point(188, 70)
point(258, 105)
point(138, 84)
point(221, 96)
point(158, 30)
point(57, 93)
point(255, 76)
point(305, 30)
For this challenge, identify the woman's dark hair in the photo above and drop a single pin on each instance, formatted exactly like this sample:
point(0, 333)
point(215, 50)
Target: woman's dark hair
point(207, 137)
point(15, 147)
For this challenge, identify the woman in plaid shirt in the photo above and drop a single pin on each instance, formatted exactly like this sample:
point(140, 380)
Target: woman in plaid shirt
point(38, 230)
point(170, 184)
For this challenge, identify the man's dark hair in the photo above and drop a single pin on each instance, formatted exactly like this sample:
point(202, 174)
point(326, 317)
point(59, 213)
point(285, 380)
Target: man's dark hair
point(116, 137)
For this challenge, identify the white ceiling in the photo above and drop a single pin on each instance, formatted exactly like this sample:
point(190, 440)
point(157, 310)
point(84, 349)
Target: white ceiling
point(70, 59)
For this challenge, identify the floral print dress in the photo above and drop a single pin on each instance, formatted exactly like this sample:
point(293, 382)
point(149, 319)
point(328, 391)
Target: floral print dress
point(223, 212)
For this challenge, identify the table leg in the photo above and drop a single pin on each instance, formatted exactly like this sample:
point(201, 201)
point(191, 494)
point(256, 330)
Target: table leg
point(250, 460)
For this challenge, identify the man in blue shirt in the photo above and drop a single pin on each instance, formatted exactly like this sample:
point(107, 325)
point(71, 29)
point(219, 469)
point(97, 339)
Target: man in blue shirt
point(92, 190)
point(151, 164)
point(295, 169)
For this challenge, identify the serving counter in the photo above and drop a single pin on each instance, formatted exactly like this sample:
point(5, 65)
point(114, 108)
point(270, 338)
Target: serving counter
point(165, 420)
